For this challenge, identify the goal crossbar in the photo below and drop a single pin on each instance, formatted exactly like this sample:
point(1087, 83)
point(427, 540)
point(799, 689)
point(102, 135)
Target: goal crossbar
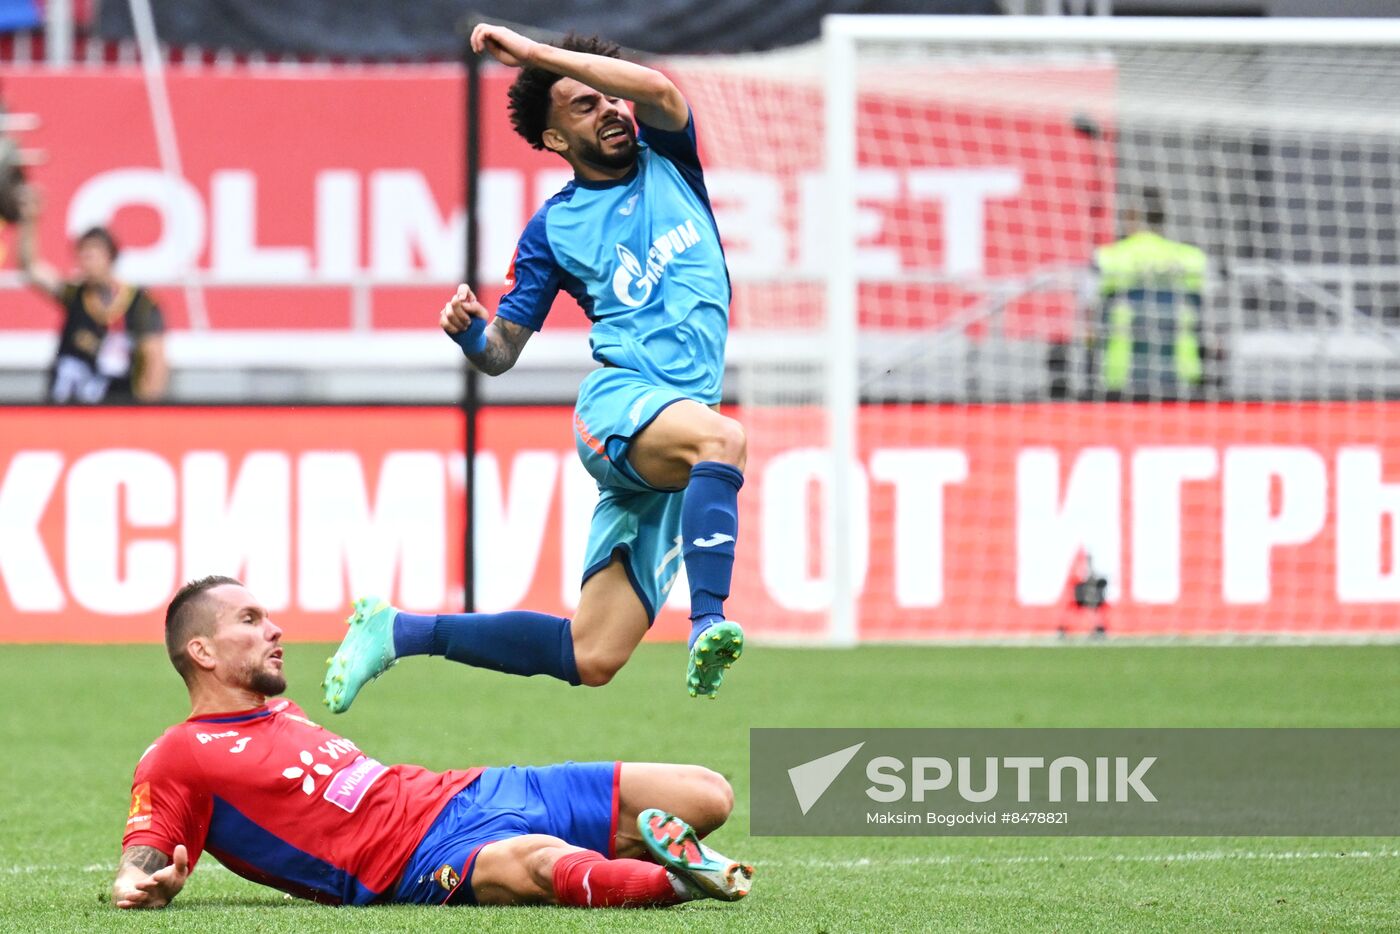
point(1120, 30)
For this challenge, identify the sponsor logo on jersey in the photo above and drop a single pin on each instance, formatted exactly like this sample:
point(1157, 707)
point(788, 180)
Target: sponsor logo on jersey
point(241, 745)
point(631, 205)
point(719, 538)
point(138, 816)
point(447, 877)
point(307, 772)
point(210, 737)
point(634, 280)
point(349, 786)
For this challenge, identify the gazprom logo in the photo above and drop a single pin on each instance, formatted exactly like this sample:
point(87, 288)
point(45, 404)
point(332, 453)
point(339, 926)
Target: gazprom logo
point(629, 276)
point(634, 280)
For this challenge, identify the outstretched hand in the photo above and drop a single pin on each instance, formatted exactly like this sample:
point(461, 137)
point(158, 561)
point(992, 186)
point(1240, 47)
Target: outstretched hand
point(504, 45)
point(157, 889)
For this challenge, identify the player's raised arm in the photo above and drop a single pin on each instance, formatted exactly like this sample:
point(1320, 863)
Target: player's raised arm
point(147, 878)
point(492, 348)
point(658, 101)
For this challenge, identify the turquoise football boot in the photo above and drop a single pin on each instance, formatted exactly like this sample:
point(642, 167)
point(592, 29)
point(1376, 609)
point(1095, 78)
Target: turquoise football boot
point(705, 873)
point(366, 653)
point(716, 648)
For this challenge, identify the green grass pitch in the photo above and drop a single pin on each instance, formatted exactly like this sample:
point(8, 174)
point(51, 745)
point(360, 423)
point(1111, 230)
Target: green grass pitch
point(78, 717)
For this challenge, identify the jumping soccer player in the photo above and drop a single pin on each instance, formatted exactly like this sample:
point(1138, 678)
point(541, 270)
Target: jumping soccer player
point(633, 240)
point(286, 803)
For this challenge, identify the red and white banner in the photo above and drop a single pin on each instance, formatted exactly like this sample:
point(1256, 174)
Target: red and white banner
point(969, 521)
point(1269, 518)
point(300, 188)
point(105, 513)
point(313, 177)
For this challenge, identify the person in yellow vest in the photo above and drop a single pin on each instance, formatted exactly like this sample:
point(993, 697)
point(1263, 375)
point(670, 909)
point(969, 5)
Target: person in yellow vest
point(1150, 295)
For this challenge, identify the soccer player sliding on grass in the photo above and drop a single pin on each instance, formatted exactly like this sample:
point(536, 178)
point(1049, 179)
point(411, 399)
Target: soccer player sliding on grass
point(286, 803)
point(633, 240)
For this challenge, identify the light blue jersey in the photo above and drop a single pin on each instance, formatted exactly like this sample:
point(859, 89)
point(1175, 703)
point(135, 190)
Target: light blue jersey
point(642, 257)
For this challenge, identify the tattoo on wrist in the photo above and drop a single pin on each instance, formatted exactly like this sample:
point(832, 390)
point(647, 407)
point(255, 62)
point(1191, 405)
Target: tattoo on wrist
point(504, 341)
point(148, 859)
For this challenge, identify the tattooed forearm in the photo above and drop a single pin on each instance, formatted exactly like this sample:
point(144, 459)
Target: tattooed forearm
point(504, 341)
point(145, 858)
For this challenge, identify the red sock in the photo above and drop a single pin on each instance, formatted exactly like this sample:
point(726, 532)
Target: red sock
point(586, 879)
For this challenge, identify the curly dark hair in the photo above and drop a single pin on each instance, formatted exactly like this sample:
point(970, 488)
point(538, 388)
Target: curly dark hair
point(529, 94)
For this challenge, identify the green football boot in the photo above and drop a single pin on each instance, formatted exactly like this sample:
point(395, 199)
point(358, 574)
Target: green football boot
point(366, 653)
point(704, 872)
point(718, 647)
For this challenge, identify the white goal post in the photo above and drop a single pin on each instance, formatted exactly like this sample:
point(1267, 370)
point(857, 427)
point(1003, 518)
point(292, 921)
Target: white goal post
point(999, 419)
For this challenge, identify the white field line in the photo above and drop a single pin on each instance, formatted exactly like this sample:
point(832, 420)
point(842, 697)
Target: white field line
point(1082, 641)
point(1207, 856)
point(110, 868)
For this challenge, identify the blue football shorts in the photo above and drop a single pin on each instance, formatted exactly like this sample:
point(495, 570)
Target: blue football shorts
point(574, 801)
point(633, 519)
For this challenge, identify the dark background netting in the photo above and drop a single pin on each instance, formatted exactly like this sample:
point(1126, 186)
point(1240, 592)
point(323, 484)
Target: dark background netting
point(371, 29)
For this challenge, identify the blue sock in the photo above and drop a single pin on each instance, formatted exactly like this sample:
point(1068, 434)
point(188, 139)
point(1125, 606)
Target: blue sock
point(518, 642)
point(413, 634)
point(709, 527)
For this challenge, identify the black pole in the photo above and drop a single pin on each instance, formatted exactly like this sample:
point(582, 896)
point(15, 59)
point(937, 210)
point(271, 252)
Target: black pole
point(470, 401)
point(1101, 140)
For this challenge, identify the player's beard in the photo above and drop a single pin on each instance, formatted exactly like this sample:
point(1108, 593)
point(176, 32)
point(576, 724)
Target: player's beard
point(593, 154)
point(267, 683)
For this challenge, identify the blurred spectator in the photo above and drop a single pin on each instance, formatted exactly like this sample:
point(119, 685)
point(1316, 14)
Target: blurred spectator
point(112, 346)
point(1149, 316)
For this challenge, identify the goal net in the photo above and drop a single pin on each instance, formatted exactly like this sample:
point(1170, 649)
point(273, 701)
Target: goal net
point(1057, 324)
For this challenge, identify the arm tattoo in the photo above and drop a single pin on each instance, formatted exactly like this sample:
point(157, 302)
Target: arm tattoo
point(504, 341)
point(148, 859)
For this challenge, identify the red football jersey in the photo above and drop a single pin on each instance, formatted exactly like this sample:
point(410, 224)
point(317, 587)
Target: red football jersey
point(285, 802)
